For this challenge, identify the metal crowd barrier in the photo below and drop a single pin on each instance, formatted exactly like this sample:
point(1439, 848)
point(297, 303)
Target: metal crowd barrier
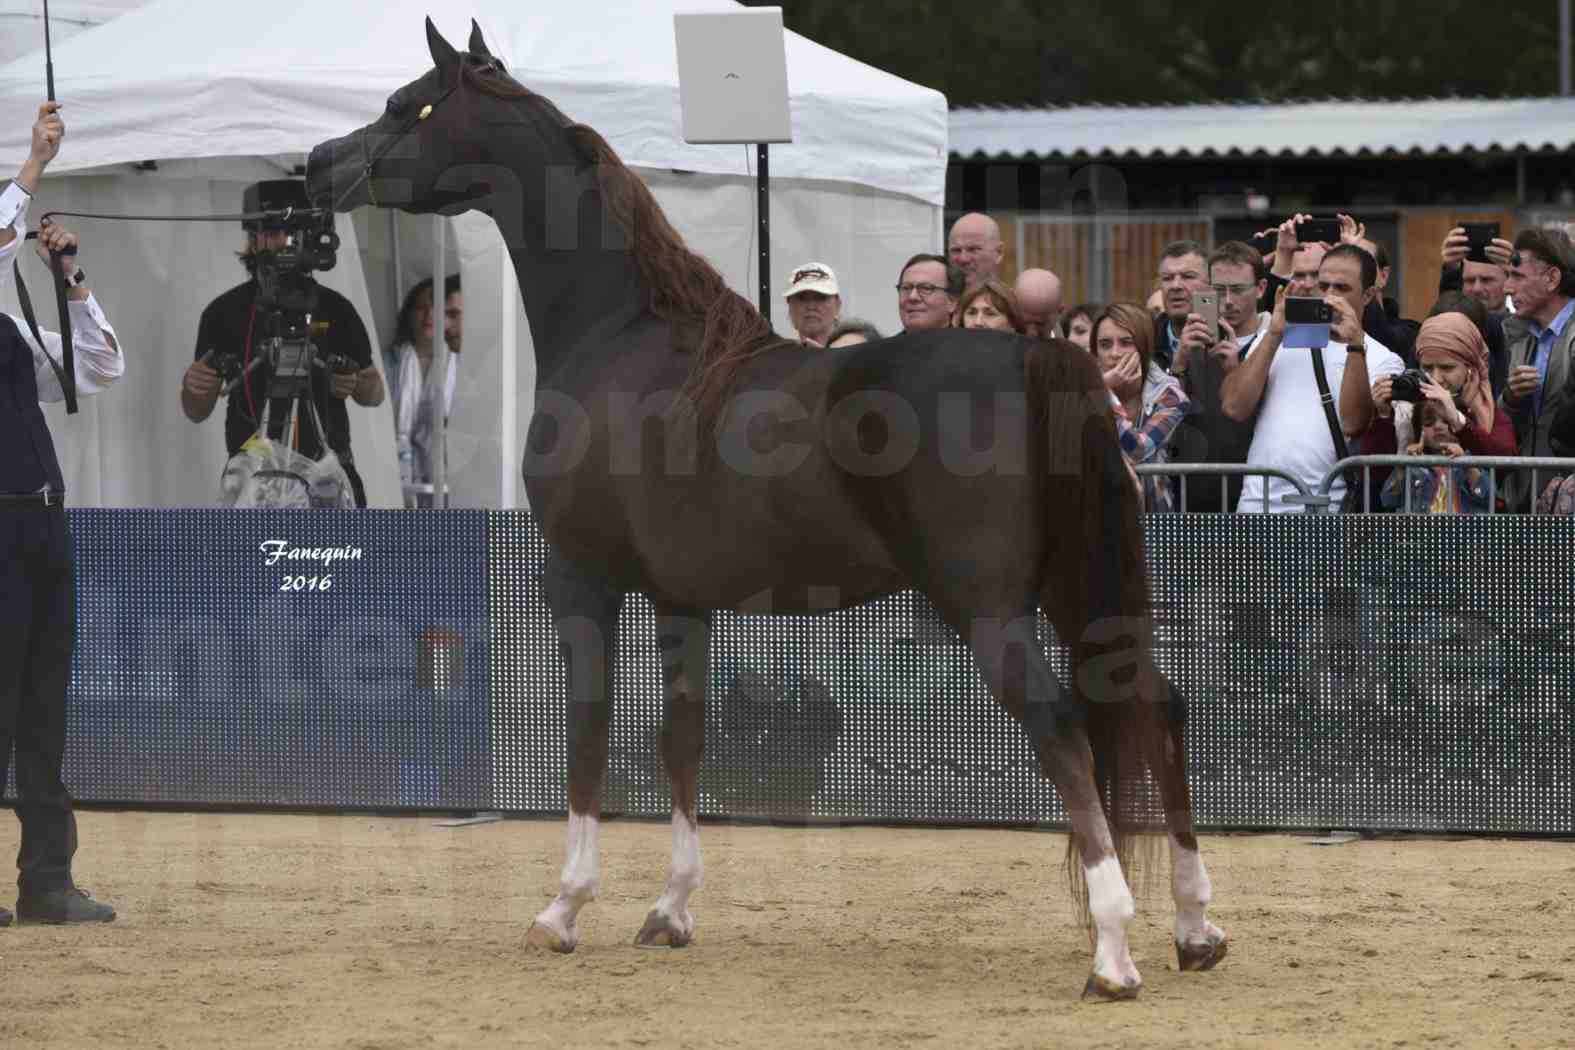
point(1552, 465)
point(1318, 501)
point(1224, 471)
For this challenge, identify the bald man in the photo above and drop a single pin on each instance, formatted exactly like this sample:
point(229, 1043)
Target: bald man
point(1039, 302)
point(975, 248)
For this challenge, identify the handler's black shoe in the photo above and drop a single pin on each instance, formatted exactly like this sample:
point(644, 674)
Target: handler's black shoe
point(5, 917)
point(58, 907)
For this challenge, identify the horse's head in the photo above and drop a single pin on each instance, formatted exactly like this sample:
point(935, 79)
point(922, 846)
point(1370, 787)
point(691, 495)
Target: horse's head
point(424, 154)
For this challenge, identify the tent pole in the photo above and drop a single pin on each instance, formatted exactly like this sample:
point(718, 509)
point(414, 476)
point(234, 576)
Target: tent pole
point(763, 190)
point(399, 268)
point(508, 414)
point(440, 364)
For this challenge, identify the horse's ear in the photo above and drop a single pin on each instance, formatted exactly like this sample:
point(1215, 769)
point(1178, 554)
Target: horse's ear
point(443, 54)
point(478, 46)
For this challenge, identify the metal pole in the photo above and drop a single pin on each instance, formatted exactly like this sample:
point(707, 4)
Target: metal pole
point(763, 191)
point(440, 364)
point(508, 340)
point(49, 57)
point(398, 276)
point(1564, 47)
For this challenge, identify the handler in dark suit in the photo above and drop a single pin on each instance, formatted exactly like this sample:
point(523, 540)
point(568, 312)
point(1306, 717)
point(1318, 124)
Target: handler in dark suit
point(37, 584)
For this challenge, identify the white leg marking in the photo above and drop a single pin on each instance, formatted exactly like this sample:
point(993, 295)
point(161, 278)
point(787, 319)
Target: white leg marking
point(578, 884)
point(1110, 904)
point(1190, 886)
point(687, 875)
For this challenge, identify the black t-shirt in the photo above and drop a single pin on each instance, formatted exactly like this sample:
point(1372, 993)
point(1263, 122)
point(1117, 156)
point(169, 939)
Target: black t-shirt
point(230, 324)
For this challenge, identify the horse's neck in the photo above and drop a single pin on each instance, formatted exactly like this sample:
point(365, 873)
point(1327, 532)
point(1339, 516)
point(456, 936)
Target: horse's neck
point(570, 297)
point(571, 292)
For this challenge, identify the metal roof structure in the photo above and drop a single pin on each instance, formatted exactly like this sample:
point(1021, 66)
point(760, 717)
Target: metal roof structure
point(1330, 128)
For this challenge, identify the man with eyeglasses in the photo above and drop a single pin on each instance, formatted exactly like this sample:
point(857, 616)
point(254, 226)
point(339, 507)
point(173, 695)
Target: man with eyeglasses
point(1182, 271)
point(814, 303)
point(927, 292)
point(1238, 275)
point(1538, 337)
point(1208, 435)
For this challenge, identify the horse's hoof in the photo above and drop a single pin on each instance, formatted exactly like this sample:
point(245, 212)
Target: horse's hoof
point(544, 937)
point(661, 931)
point(1200, 957)
point(1108, 990)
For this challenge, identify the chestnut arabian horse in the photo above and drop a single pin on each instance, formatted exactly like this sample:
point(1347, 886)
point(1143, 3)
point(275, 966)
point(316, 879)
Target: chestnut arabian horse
point(680, 450)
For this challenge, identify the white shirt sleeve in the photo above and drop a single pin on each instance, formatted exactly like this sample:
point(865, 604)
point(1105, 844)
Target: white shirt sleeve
point(96, 351)
point(95, 348)
point(13, 208)
point(13, 216)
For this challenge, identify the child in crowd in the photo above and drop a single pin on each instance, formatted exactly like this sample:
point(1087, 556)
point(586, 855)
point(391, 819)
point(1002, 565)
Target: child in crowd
point(1436, 490)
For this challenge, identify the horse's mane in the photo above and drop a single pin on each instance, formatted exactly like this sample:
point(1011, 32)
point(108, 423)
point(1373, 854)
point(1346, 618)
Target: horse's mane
point(719, 326)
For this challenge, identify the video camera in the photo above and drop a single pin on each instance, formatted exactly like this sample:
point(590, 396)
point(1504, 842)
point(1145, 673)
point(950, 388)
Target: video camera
point(287, 294)
point(284, 273)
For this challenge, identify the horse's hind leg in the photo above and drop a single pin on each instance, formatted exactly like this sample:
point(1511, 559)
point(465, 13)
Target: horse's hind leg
point(1013, 664)
point(684, 641)
point(585, 613)
point(1199, 943)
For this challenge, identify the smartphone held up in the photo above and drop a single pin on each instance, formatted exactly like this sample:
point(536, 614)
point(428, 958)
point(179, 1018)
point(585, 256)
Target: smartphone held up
point(1307, 320)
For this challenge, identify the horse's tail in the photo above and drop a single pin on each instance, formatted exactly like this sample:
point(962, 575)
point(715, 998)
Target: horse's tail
point(1096, 589)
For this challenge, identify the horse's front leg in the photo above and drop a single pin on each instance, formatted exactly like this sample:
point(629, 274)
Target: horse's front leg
point(684, 641)
point(586, 617)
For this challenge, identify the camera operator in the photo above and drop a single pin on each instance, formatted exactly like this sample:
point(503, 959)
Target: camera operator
point(37, 573)
point(233, 330)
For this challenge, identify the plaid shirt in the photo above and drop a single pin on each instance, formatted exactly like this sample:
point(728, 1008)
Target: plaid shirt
point(1147, 442)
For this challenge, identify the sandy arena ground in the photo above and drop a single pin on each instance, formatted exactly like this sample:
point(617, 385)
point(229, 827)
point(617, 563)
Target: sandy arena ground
point(240, 930)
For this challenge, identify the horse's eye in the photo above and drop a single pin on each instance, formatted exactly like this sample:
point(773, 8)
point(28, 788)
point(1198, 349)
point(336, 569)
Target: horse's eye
point(394, 106)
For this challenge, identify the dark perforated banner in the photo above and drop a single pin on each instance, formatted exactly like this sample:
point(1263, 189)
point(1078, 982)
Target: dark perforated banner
point(1385, 672)
point(280, 658)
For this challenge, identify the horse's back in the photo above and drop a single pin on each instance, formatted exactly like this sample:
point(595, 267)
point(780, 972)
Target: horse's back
point(832, 476)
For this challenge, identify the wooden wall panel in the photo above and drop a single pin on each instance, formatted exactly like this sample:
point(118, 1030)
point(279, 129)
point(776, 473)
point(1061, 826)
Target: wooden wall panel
point(1132, 249)
point(1010, 267)
point(1136, 248)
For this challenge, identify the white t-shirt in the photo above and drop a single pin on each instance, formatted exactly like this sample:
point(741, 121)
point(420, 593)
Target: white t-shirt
point(1292, 433)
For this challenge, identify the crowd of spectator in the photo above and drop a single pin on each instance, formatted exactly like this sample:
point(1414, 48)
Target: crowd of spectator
point(1210, 371)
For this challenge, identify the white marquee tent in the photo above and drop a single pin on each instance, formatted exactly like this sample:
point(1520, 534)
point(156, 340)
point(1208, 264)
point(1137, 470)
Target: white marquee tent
point(218, 95)
point(22, 21)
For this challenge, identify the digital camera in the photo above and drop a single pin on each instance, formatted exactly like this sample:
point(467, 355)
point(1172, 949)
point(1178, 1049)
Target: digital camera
point(1408, 386)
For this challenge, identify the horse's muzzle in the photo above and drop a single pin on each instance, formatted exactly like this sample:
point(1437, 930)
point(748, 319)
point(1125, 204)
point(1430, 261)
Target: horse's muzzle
point(329, 173)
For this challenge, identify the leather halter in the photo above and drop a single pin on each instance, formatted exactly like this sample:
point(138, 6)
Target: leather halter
point(371, 158)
